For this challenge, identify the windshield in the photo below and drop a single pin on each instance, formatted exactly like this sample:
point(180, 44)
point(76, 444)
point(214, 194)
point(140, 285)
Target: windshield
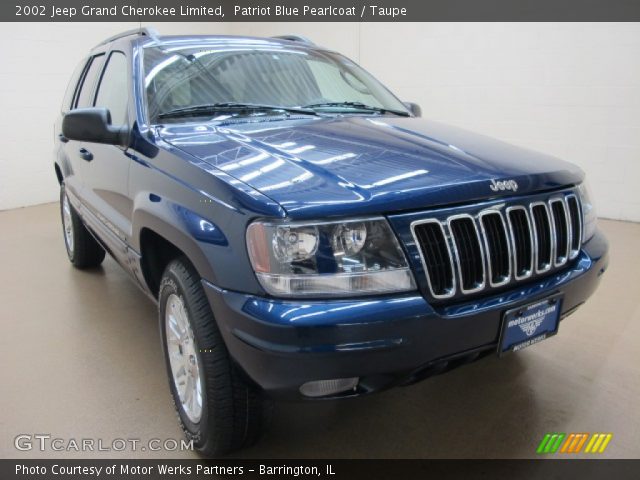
point(177, 79)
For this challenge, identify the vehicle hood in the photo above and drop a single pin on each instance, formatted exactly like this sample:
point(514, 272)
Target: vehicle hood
point(319, 166)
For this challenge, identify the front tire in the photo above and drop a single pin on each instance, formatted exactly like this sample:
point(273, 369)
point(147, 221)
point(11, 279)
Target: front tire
point(82, 249)
point(218, 409)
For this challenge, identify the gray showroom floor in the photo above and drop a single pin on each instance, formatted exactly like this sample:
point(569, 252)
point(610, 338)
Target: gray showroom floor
point(81, 358)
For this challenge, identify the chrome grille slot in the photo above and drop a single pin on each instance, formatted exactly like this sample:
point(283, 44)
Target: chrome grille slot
point(436, 257)
point(575, 223)
point(561, 230)
point(542, 236)
point(496, 243)
point(469, 254)
point(522, 241)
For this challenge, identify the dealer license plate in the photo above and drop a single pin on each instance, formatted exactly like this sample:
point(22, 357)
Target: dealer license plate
point(530, 324)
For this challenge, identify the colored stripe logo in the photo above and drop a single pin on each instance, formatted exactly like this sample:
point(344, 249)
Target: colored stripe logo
point(574, 443)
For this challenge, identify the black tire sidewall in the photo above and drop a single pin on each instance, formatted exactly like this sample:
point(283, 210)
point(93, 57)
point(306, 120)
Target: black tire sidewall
point(63, 194)
point(87, 251)
point(172, 284)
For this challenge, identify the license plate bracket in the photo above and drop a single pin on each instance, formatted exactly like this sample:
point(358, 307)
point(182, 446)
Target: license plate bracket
point(529, 324)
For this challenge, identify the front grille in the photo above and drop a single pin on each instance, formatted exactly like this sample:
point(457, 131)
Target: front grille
point(492, 247)
point(543, 238)
point(576, 225)
point(469, 256)
point(497, 246)
point(436, 252)
point(521, 240)
point(559, 211)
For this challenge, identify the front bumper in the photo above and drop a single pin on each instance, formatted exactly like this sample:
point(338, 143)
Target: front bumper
point(282, 344)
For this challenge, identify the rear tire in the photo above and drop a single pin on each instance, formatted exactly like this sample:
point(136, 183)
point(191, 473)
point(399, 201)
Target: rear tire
point(228, 412)
point(83, 250)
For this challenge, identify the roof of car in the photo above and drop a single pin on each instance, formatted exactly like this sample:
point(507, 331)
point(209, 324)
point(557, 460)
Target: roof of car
point(147, 35)
point(229, 39)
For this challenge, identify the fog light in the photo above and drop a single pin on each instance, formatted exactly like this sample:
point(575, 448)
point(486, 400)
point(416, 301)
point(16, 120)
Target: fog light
point(323, 388)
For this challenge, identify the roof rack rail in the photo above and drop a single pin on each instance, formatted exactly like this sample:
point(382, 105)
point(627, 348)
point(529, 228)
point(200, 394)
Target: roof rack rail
point(294, 38)
point(146, 31)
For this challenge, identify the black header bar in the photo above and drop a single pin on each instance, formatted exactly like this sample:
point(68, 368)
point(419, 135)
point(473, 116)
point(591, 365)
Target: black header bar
point(329, 469)
point(320, 10)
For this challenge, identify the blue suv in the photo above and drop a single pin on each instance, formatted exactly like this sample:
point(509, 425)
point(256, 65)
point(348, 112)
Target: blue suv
point(304, 233)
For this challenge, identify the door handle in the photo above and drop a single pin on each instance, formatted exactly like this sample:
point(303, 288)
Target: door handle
point(86, 154)
point(62, 138)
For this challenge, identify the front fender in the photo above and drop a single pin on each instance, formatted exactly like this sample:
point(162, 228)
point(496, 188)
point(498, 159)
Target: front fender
point(218, 255)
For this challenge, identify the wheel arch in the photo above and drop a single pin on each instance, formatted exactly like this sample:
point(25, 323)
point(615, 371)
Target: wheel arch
point(58, 171)
point(159, 242)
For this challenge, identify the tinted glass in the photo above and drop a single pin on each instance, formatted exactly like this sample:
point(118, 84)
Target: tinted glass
point(112, 91)
point(84, 96)
point(71, 87)
point(180, 77)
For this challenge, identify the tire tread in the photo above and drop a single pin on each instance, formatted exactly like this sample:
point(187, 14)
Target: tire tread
point(235, 407)
point(87, 252)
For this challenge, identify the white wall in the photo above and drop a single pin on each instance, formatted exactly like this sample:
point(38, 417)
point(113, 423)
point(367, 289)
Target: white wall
point(36, 61)
point(568, 89)
point(572, 90)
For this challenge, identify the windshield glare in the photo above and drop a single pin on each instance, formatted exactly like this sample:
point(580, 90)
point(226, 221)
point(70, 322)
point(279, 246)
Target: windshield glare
point(186, 77)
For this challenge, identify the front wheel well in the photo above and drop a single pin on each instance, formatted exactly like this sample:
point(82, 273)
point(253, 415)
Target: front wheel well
point(156, 253)
point(58, 173)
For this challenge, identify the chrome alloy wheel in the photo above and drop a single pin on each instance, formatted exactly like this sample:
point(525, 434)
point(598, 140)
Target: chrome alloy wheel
point(67, 224)
point(183, 358)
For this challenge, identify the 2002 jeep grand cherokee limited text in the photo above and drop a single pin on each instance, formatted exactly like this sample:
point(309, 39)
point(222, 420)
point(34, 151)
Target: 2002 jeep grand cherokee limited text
point(304, 233)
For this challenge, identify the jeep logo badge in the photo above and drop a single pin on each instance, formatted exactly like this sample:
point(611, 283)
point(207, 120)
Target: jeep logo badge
point(504, 185)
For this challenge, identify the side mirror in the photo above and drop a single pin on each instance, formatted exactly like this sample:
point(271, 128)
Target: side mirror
point(92, 125)
point(414, 108)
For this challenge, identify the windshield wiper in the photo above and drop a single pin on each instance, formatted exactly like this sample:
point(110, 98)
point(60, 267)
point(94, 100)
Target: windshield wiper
point(214, 108)
point(358, 106)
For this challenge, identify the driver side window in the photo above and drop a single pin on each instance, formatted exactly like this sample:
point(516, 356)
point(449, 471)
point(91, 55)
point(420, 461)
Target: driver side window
point(334, 88)
point(112, 90)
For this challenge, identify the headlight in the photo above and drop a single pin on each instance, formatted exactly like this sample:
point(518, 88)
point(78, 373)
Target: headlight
point(346, 258)
point(589, 216)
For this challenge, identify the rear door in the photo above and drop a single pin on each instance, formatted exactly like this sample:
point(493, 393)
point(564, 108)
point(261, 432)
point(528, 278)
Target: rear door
point(79, 94)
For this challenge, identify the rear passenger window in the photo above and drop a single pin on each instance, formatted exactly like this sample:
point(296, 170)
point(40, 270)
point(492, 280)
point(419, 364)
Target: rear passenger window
point(112, 91)
point(85, 89)
point(70, 92)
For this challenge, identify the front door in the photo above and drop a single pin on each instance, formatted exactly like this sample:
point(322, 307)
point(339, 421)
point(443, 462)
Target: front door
point(107, 179)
